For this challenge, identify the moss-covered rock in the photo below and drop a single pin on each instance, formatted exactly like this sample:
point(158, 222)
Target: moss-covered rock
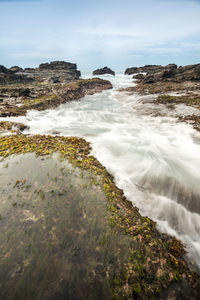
point(12, 127)
point(16, 100)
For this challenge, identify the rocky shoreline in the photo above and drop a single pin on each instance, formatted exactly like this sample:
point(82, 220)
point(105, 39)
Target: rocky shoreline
point(169, 85)
point(43, 88)
point(153, 266)
point(121, 254)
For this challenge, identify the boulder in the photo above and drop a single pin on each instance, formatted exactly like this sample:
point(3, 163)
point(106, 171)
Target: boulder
point(103, 71)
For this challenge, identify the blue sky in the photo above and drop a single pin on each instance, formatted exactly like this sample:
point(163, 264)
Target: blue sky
point(117, 33)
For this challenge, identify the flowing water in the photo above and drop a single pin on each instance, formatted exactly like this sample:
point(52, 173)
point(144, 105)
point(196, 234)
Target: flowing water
point(154, 159)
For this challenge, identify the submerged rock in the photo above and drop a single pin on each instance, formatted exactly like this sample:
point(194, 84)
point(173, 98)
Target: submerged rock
point(67, 232)
point(103, 71)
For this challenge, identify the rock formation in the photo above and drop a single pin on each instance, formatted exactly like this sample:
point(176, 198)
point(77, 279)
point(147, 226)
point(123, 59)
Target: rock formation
point(103, 71)
point(166, 73)
point(16, 100)
point(149, 69)
point(139, 76)
point(53, 72)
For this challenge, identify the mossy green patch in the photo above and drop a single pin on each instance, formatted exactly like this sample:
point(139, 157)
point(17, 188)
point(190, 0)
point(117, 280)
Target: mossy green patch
point(193, 100)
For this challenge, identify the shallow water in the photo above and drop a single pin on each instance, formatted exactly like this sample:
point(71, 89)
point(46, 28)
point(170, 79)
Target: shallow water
point(56, 240)
point(154, 159)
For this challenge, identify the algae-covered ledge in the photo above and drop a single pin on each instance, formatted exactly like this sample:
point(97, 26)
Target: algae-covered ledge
point(153, 267)
point(17, 99)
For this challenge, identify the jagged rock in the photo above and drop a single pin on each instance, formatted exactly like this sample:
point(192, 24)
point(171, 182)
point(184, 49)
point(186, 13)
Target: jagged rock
point(149, 79)
point(10, 78)
point(169, 73)
point(189, 72)
point(103, 71)
point(15, 69)
point(4, 70)
point(53, 72)
point(166, 73)
point(139, 76)
point(58, 65)
point(149, 69)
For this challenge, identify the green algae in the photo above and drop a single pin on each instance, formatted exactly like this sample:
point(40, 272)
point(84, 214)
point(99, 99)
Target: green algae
point(27, 103)
point(12, 127)
point(152, 262)
point(192, 100)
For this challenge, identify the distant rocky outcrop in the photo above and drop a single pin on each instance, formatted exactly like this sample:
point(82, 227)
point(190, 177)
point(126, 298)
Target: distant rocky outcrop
point(149, 69)
point(186, 73)
point(165, 73)
point(9, 76)
point(53, 72)
point(103, 71)
point(15, 69)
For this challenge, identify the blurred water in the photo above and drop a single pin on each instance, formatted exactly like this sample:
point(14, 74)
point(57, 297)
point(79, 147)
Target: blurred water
point(154, 159)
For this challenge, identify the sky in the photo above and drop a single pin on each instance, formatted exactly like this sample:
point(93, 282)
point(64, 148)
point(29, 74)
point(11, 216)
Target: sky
point(93, 34)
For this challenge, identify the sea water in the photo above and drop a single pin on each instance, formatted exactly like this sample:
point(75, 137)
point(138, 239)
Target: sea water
point(154, 158)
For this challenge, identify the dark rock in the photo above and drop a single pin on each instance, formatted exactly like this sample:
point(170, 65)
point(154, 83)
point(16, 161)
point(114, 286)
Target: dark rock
point(58, 65)
point(189, 72)
point(139, 76)
point(103, 71)
point(29, 69)
point(149, 79)
point(53, 72)
point(149, 69)
point(4, 70)
point(15, 69)
point(25, 92)
point(14, 79)
point(172, 73)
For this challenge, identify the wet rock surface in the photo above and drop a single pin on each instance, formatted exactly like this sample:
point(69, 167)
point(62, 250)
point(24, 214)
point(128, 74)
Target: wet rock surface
point(103, 71)
point(15, 100)
point(169, 85)
point(12, 127)
point(171, 72)
point(68, 232)
point(149, 69)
